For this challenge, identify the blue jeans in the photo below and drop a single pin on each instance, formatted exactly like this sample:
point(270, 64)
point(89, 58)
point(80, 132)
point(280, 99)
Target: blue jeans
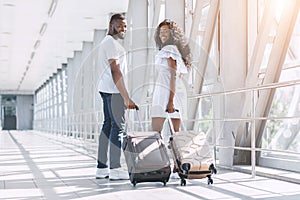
point(112, 132)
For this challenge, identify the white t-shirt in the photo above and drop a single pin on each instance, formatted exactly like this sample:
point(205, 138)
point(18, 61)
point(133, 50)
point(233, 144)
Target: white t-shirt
point(110, 48)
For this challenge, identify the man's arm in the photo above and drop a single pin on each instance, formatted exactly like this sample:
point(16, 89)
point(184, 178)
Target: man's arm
point(119, 81)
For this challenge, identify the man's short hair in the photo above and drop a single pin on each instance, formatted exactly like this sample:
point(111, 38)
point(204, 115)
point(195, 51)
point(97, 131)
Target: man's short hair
point(116, 17)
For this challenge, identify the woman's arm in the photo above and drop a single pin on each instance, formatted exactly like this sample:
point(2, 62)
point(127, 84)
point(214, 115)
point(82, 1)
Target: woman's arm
point(172, 67)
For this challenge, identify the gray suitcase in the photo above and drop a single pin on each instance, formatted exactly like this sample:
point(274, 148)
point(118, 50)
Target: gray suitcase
point(146, 157)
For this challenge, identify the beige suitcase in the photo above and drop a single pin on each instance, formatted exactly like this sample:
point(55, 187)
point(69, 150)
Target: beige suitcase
point(193, 157)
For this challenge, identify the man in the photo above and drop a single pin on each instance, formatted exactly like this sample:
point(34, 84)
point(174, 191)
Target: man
point(113, 65)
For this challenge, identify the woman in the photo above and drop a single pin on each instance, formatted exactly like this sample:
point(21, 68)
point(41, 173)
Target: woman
point(173, 60)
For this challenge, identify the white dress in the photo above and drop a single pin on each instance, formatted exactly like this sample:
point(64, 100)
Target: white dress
point(162, 85)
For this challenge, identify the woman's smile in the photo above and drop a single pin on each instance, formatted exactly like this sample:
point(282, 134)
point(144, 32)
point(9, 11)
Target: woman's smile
point(164, 33)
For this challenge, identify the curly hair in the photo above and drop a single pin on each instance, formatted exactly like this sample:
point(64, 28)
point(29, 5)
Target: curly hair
point(177, 38)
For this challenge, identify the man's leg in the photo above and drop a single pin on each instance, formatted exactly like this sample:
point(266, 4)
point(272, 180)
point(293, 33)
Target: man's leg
point(105, 132)
point(117, 130)
point(116, 136)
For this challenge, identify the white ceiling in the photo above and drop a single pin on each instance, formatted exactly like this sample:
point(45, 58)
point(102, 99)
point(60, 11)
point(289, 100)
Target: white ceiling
point(28, 57)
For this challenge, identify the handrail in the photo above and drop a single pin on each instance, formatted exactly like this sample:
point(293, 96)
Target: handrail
point(249, 89)
point(258, 149)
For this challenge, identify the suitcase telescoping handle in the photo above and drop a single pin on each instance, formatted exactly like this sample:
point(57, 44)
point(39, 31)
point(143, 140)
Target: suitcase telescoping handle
point(137, 109)
point(139, 118)
point(170, 121)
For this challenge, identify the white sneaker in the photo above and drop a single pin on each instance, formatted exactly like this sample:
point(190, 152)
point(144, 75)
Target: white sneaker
point(102, 173)
point(118, 174)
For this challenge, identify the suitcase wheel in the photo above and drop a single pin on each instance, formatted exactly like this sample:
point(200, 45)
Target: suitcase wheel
point(134, 183)
point(210, 181)
point(164, 182)
point(215, 170)
point(183, 182)
point(186, 166)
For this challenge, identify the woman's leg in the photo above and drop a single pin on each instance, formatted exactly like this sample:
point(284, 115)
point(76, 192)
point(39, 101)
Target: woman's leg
point(176, 124)
point(157, 123)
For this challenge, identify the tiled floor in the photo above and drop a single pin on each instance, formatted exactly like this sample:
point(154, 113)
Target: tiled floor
point(33, 166)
